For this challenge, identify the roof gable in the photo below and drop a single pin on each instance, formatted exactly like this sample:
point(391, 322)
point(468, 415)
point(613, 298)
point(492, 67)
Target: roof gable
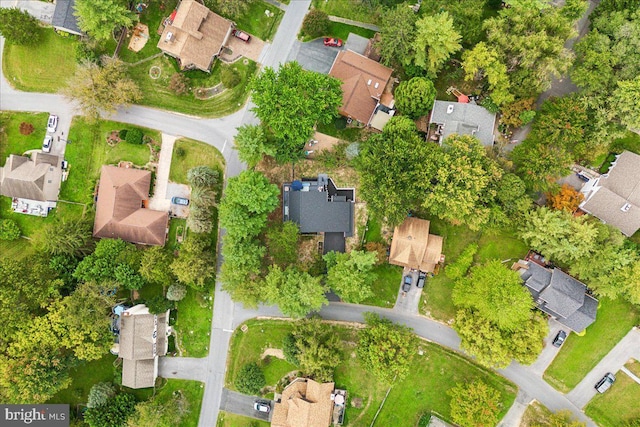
point(64, 17)
point(464, 119)
point(304, 403)
point(413, 247)
point(35, 179)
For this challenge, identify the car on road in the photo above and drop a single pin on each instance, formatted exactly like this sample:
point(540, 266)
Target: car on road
point(180, 201)
point(262, 406)
point(52, 123)
point(407, 282)
point(422, 277)
point(241, 35)
point(605, 383)
point(46, 144)
point(559, 339)
point(328, 41)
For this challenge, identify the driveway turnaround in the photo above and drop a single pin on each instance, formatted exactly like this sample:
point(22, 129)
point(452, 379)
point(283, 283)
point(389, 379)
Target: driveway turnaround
point(242, 404)
point(314, 55)
point(627, 348)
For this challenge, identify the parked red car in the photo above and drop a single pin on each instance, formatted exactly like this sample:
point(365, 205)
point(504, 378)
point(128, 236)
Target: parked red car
point(241, 35)
point(332, 42)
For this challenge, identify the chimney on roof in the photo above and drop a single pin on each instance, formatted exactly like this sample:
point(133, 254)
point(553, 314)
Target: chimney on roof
point(169, 37)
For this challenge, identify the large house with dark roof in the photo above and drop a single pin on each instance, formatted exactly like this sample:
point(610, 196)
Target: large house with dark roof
point(64, 18)
point(32, 183)
point(143, 337)
point(449, 118)
point(194, 35)
point(120, 211)
point(558, 294)
point(366, 88)
point(615, 196)
point(413, 247)
point(319, 207)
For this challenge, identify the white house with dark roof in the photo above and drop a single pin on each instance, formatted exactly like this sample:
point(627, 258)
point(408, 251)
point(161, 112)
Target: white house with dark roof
point(559, 295)
point(319, 207)
point(448, 118)
point(615, 196)
point(143, 338)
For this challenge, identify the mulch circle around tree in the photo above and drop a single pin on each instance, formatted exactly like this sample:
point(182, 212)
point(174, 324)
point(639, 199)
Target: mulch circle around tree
point(113, 138)
point(155, 72)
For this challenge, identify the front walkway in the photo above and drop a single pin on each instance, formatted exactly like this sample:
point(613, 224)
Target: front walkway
point(517, 410)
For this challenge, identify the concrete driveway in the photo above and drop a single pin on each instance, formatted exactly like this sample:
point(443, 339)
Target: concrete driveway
point(627, 348)
point(241, 404)
point(407, 302)
point(549, 352)
point(314, 55)
point(42, 11)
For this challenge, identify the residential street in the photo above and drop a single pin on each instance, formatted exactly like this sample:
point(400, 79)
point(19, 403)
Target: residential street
point(228, 315)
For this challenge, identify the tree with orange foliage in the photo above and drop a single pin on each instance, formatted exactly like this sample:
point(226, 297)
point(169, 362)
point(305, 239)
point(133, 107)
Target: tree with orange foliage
point(567, 199)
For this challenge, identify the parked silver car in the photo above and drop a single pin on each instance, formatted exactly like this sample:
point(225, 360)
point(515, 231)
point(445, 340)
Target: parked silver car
point(52, 123)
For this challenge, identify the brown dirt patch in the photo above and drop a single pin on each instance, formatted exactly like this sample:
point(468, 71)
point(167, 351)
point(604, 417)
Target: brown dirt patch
point(273, 352)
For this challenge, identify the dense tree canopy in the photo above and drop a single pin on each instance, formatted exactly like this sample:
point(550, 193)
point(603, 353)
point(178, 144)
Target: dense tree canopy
point(160, 412)
point(195, 264)
point(250, 379)
point(316, 348)
point(251, 143)
point(351, 274)
point(114, 413)
point(407, 163)
point(397, 30)
point(414, 98)
point(282, 241)
point(99, 18)
point(296, 292)
point(18, 26)
point(104, 88)
point(495, 293)
point(484, 62)
point(475, 404)
point(64, 236)
point(290, 101)
point(386, 349)
point(435, 40)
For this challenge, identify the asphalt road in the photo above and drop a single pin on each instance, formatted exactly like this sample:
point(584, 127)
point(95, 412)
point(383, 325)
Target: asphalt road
point(241, 404)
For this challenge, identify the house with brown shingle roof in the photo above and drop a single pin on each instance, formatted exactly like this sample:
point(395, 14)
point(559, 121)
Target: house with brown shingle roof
point(31, 182)
point(366, 90)
point(143, 338)
point(304, 403)
point(615, 196)
point(413, 247)
point(120, 211)
point(194, 35)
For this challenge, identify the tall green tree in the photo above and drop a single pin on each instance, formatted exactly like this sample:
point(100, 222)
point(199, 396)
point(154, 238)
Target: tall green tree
point(351, 274)
point(625, 102)
point(155, 266)
point(475, 404)
point(296, 292)
point(19, 27)
point(539, 165)
point(247, 201)
point(463, 184)
point(251, 143)
point(160, 412)
point(241, 269)
point(250, 379)
point(114, 413)
point(195, 264)
point(64, 236)
point(289, 102)
point(386, 349)
point(99, 18)
point(397, 30)
point(436, 39)
point(230, 8)
point(408, 164)
point(317, 348)
point(105, 88)
point(483, 62)
point(282, 241)
point(415, 97)
point(496, 293)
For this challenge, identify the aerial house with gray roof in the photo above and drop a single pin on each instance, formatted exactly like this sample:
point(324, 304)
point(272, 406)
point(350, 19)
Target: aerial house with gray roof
point(559, 295)
point(319, 207)
point(448, 118)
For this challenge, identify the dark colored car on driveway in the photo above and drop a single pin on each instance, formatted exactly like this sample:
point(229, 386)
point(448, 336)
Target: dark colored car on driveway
point(559, 339)
point(407, 282)
point(422, 277)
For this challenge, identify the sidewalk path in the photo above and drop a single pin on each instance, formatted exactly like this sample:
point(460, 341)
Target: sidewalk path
point(630, 374)
point(277, 4)
point(627, 348)
point(517, 410)
point(159, 200)
point(354, 23)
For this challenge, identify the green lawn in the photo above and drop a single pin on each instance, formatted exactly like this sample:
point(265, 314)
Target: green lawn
point(83, 377)
point(634, 367)
point(373, 231)
point(500, 244)
point(341, 31)
point(255, 21)
point(386, 285)
point(618, 405)
point(338, 129)
point(436, 300)
point(227, 419)
point(12, 141)
point(193, 324)
point(156, 93)
point(432, 374)
point(630, 142)
point(16, 249)
point(580, 354)
point(89, 150)
point(174, 224)
point(44, 67)
point(192, 390)
point(29, 224)
point(355, 10)
point(195, 153)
